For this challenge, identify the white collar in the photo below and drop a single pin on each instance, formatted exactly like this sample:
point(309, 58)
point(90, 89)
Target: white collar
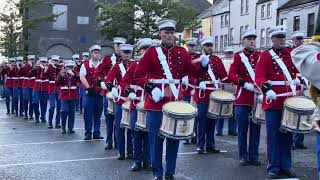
point(91, 64)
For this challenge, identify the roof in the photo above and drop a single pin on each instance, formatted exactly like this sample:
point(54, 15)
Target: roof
point(218, 7)
point(263, 1)
point(200, 5)
point(292, 3)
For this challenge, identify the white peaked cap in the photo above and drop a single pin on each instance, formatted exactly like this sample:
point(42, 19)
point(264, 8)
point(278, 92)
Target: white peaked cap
point(143, 42)
point(207, 39)
point(95, 47)
point(119, 40)
point(126, 47)
point(167, 24)
point(277, 30)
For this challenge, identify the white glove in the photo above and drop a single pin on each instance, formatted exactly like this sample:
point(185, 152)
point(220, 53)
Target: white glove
point(185, 80)
point(297, 81)
point(202, 85)
point(271, 95)
point(248, 86)
point(103, 85)
point(156, 94)
point(114, 92)
point(132, 96)
point(204, 60)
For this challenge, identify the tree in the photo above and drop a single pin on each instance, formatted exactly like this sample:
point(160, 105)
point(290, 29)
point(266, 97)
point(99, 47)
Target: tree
point(17, 18)
point(139, 18)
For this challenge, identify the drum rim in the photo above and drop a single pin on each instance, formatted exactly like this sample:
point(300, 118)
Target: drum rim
point(218, 99)
point(295, 130)
point(213, 116)
point(295, 108)
point(192, 114)
point(161, 132)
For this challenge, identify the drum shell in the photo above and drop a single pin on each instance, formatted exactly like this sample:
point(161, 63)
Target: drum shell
point(111, 106)
point(125, 120)
point(220, 109)
point(192, 102)
point(259, 114)
point(141, 123)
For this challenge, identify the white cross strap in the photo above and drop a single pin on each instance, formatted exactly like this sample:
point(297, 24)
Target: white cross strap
point(122, 69)
point(248, 66)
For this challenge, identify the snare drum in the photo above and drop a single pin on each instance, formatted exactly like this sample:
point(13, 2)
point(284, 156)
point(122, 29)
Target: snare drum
point(141, 123)
point(125, 120)
point(178, 120)
point(296, 115)
point(110, 104)
point(220, 105)
point(259, 114)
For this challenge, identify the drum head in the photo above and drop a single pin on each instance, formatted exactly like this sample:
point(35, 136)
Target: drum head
point(300, 103)
point(222, 96)
point(179, 108)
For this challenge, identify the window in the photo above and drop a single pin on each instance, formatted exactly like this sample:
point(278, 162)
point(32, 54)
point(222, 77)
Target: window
point(216, 43)
point(269, 10)
point(267, 37)
point(310, 28)
point(296, 23)
point(226, 20)
point(231, 35)
point(241, 30)
point(263, 11)
point(283, 22)
point(247, 26)
point(222, 21)
point(263, 37)
point(61, 22)
point(221, 43)
point(247, 6)
point(225, 40)
point(242, 6)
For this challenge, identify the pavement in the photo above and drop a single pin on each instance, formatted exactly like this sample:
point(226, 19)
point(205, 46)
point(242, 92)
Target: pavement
point(30, 151)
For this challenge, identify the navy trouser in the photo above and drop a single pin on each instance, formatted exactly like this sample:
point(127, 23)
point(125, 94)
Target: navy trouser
point(27, 101)
point(8, 93)
point(109, 123)
point(154, 120)
point(17, 100)
point(40, 97)
point(55, 103)
point(298, 139)
point(278, 143)
point(246, 128)
point(120, 133)
point(206, 127)
point(68, 112)
point(318, 152)
point(93, 107)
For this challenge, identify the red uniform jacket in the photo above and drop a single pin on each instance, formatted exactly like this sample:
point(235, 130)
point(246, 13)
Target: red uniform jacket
point(219, 71)
point(103, 69)
point(77, 70)
point(20, 77)
point(67, 85)
point(267, 69)
point(90, 76)
point(26, 70)
point(9, 73)
point(14, 73)
point(183, 90)
point(115, 74)
point(41, 79)
point(239, 71)
point(179, 62)
point(53, 72)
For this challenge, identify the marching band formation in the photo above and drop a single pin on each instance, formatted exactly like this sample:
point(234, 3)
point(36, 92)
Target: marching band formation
point(170, 94)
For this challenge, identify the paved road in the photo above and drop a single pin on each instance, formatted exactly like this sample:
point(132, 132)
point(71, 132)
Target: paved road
point(31, 151)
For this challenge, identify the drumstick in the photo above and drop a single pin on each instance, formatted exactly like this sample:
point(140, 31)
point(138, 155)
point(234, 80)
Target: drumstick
point(306, 124)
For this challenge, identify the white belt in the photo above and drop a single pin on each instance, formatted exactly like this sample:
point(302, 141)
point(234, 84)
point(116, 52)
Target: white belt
point(213, 82)
point(165, 81)
point(136, 87)
point(9, 78)
point(14, 78)
point(67, 87)
point(52, 82)
point(27, 78)
point(39, 80)
point(281, 83)
point(33, 78)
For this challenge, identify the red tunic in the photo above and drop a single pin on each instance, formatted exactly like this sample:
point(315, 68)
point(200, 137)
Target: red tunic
point(218, 70)
point(268, 70)
point(90, 76)
point(53, 72)
point(9, 73)
point(68, 89)
point(239, 71)
point(179, 62)
point(41, 79)
point(15, 76)
point(26, 75)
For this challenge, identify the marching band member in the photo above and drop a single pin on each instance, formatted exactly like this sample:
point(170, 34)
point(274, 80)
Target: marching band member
point(85, 56)
point(242, 74)
point(9, 74)
point(92, 100)
point(297, 40)
point(27, 86)
point(67, 82)
point(40, 89)
point(191, 48)
point(78, 63)
point(17, 92)
point(53, 70)
point(232, 124)
point(117, 73)
point(100, 73)
point(141, 148)
point(150, 74)
point(208, 77)
point(276, 75)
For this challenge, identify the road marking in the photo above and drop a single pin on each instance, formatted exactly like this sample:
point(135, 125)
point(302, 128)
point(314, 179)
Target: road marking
point(26, 121)
point(53, 142)
point(74, 160)
point(38, 130)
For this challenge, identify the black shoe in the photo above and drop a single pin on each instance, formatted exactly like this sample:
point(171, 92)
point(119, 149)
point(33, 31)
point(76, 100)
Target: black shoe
point(25, 117)
point(97, 137)
point(243, 162)
point(219, 134)
point(200, 150)
point(169, 177)
point(293, 147)
point(63, 131)
point(254, 162)
point(87, 137)
point(288, 174)
point(50, 126)
point(147, 167)
point(157, 178)
point(300, 146)
point(121, 157)
point(81, 112)
point(8, 113)
point(130, 156)
point(108, 146)
point(37, 121)
point(30, 117)
point(213, 150)
point(12, 112)
point(186, 142)
point(71, 131)
point(136, 167)
point(194, 140)
point(57, 127)
point(274, 175)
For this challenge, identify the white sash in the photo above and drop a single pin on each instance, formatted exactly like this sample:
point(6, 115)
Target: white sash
point(122, 69)
point(163, 61)
point(248, 66)
point(113, 59)
point(284, 69)
point(213, 77)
